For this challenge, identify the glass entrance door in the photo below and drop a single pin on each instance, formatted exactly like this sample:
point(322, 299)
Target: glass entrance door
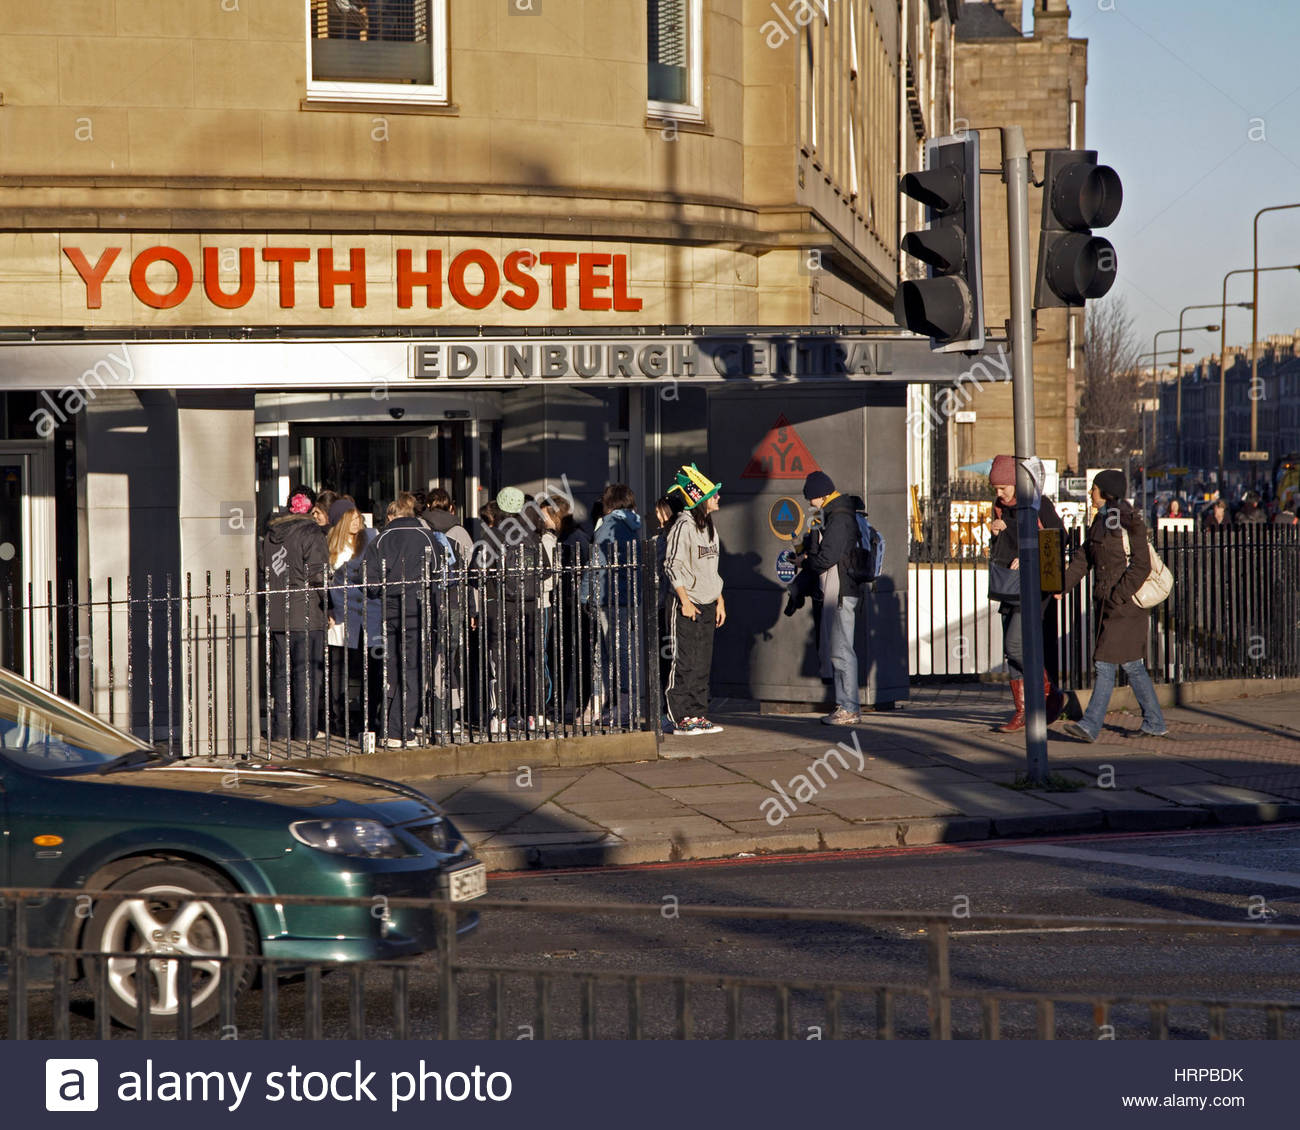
point(28, 628)
point(374, 463)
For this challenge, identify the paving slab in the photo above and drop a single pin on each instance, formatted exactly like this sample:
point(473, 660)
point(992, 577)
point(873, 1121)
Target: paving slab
point(1208, 794)
point(741, 792)
point(654, 807)
point(822, 822)
point(985, 800)
point(1094, 798)
point(897, 807)
point(551, 818)
point(689, 825)
point(678, 774)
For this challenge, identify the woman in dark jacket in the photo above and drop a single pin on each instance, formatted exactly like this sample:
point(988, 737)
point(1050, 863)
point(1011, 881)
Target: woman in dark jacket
point(1004, 549)
point(1121, 625)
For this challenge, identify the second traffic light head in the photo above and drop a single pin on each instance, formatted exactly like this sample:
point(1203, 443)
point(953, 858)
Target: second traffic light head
point(1078, 195)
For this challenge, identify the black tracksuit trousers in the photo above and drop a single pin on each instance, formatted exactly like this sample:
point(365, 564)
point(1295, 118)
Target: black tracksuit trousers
point(692, 651)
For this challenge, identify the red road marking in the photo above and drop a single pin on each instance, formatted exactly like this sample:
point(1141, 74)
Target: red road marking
point(880, 853)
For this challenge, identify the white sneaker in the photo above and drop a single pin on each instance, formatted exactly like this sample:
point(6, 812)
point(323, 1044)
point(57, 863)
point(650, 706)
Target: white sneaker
point(704, 726)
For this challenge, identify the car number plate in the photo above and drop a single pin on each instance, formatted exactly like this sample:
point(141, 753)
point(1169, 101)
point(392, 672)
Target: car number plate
point(468, 883)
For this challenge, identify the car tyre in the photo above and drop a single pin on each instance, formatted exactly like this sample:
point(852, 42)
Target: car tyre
point(173, 918)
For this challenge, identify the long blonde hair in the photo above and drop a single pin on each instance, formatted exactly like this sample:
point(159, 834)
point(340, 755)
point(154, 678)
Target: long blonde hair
point(342, 538)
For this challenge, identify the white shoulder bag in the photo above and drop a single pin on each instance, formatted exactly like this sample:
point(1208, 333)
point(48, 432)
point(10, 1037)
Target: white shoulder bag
point(1160, 581)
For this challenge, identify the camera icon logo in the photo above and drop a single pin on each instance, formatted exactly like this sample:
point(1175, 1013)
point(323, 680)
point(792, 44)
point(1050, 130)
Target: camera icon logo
point(72, 1084)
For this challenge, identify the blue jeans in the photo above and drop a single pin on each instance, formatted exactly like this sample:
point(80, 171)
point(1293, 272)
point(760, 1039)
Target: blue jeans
point(844, 660)
point(1153, 721)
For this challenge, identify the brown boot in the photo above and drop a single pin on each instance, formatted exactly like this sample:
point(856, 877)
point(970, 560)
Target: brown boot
point(1017, 720)
point(1055, 699)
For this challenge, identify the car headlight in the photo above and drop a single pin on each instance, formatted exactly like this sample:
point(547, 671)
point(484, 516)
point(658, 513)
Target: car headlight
point(367, 838)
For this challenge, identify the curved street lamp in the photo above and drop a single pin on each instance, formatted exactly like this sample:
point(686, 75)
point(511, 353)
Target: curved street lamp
point(1255, 271)
point(1254, 326)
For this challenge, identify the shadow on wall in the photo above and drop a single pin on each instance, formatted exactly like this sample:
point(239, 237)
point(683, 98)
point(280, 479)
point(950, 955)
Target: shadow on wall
point(752, 612)
point(884, 631)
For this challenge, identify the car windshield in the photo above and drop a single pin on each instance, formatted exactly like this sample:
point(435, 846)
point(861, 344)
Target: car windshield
point(41, 731)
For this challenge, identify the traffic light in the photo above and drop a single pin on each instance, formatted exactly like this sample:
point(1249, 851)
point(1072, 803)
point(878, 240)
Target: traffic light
point(948, 306)
point(1078, 195)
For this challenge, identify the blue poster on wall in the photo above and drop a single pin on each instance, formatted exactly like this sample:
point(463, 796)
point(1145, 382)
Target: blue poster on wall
point(785, 566)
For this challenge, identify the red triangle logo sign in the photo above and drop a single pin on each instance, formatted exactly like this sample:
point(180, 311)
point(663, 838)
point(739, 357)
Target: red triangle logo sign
point(780, 454)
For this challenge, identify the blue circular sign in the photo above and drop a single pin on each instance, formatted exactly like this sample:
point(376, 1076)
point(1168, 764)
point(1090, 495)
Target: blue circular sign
point(785, 566)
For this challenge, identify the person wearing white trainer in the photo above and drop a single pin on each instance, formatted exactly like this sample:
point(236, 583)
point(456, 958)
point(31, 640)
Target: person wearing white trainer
point(691, 568)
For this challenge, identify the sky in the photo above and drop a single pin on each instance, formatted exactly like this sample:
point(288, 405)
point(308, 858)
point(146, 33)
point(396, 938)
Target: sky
point(1196, 104)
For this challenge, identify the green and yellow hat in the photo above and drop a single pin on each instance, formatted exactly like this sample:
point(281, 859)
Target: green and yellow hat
point(694, 485)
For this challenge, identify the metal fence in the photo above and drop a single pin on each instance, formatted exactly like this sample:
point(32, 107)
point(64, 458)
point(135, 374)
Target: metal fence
point(451, 996)
point(1234, 612)
point(219, 666)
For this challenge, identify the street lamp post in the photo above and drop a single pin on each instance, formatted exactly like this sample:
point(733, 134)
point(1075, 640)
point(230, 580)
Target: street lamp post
point(1223, 346)
point(1178, 422)
point(1155, 415)
point(1254, 327)
point(1178, 363)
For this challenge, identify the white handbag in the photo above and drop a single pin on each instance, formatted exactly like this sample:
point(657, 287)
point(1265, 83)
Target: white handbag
point(1160, 581)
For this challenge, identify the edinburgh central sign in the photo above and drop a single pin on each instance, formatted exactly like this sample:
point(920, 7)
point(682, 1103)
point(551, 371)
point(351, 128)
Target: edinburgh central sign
point(655, 359)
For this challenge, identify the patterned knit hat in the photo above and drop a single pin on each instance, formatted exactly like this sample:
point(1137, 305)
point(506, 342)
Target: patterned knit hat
point(694, 485)
point(510, 500)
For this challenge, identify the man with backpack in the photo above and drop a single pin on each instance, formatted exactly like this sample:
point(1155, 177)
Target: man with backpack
point(841, 548)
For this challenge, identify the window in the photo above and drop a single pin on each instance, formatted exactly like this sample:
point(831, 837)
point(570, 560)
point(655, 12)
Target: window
point(377, 50)
point(675, 58)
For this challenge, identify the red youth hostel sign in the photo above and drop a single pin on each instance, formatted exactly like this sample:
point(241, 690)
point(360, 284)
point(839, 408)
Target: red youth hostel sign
point(473, 279)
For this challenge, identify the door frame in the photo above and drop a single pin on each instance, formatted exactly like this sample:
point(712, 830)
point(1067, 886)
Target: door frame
point(38, 549)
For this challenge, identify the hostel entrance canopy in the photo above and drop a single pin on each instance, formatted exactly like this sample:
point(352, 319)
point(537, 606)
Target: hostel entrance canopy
point(743, 357)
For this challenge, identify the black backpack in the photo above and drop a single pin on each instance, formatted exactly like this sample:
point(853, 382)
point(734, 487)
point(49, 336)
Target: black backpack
point(866, 560)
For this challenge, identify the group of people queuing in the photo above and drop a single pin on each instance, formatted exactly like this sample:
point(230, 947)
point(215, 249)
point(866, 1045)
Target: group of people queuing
point(417, 626)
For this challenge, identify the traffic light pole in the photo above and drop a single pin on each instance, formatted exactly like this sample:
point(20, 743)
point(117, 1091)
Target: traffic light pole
point(1015, 173)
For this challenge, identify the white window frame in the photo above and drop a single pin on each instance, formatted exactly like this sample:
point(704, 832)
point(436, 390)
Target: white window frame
point(394, 93)
point(692, 111)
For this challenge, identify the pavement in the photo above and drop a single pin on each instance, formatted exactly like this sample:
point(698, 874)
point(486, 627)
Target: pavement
point(932, 771)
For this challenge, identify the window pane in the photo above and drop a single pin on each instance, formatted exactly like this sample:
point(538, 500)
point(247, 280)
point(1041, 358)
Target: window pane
point(371, 41)
point(669, 54)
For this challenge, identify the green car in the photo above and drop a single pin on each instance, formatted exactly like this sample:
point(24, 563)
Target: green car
point(84, 805)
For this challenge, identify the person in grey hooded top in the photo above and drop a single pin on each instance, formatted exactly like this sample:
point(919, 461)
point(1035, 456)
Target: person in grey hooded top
point(697, 608)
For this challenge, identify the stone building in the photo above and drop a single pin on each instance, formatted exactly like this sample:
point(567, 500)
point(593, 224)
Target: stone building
point(1037, 81)
point(458, 243)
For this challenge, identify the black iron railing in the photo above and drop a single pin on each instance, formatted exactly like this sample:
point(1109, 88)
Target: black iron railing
point(452, 996)
point(219, 666)
point(1234, 612)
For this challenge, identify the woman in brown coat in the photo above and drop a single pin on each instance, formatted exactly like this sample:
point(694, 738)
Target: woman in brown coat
point(1122, 625)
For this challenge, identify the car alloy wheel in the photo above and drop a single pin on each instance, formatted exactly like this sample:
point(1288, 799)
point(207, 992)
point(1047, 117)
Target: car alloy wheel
point(169, 922)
